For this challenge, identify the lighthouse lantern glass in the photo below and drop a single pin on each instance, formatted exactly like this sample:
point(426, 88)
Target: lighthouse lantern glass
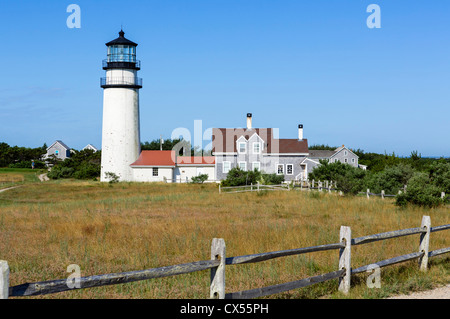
point(122, 53)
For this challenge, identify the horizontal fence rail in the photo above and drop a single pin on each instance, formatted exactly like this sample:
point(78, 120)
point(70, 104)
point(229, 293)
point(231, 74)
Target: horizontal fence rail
point(253, 188)
point(283, 253)
point(218, 262)
point(49, 287)
point(387, 235)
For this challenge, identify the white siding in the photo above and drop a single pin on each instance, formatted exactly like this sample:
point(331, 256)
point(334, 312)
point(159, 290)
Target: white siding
point(145, 174)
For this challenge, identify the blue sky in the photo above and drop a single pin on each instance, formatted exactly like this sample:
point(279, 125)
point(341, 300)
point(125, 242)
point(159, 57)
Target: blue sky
point(287, 62)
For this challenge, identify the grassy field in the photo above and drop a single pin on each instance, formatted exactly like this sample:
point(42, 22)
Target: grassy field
point(44, 227)
point(10, 177)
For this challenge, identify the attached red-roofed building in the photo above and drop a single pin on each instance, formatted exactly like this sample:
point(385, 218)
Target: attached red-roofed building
point(166, 166)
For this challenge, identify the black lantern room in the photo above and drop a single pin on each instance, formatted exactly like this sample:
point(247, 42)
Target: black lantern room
point(121, 54)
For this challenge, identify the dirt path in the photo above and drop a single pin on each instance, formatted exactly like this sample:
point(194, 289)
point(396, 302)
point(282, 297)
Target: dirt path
point(7, 189)
point(437, 293)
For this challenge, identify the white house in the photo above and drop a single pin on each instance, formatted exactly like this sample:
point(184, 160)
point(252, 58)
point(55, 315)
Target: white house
point(90, 147)
point(167, 166)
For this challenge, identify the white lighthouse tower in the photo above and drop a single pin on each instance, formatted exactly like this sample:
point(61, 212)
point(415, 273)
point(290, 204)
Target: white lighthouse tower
point(120, 136)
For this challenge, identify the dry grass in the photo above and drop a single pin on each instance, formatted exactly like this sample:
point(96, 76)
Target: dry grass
point(46, 227)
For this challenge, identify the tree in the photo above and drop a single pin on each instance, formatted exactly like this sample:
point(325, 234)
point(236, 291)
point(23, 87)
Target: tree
point(391, 179)
point(420, 191)
point(84, 164)
point(350, 180)
point(439, 173)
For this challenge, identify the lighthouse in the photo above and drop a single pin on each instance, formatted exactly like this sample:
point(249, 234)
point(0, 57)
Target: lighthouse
point(120, 133)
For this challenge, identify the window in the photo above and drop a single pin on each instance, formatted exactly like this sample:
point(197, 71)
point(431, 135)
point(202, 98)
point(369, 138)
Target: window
point(289, 169)
point(242, 148)
point(243, 166)
point(345, 153)
point(256, 165)
point(345, 160)
point(280, 169)
point(256, 148)
point(353, 160)
point(56, 152)
point(155, 171)
point(226, 167)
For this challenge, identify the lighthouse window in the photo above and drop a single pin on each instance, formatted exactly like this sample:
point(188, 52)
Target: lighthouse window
point(122, 53)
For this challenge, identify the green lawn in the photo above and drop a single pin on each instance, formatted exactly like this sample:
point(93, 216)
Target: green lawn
point(10, 177)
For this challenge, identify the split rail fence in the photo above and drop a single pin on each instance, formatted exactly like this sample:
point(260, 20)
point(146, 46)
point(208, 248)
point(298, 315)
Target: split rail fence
point(219, 261)
point(302, 185)
point(383, 194)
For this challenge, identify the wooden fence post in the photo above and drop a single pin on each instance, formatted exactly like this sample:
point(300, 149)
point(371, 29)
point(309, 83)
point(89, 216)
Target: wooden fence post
point(258, 186)
point(382, 194)
point(217, 286)
point(443, 195)
point(4, 279)
point(425, 243)
point(345, 258)
point(368, 191)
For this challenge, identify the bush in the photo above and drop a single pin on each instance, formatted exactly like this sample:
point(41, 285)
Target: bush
point(238, 177)
point(83, 164)
point(27, 164)
point(271, 179)
point(439, 173)
point(200, 179)
point(391, 180)
point(112, 177)
point(350, 180)
point(58, 172)
point(87, 171)
point(420, 191)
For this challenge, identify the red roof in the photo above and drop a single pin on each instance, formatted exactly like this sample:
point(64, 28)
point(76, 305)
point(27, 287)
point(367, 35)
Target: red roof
point(167, 158)
point(196, 160)
point(156, 158)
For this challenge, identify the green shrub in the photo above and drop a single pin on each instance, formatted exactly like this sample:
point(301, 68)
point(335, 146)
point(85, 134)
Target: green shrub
point(27, 164)
point(271, 179)
point(439, 173)
point(420, 191)
point(200, 179)
point(58, 172)
point(83, 164)
point(391, 180)
point(350, 180)
point(238, 177)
